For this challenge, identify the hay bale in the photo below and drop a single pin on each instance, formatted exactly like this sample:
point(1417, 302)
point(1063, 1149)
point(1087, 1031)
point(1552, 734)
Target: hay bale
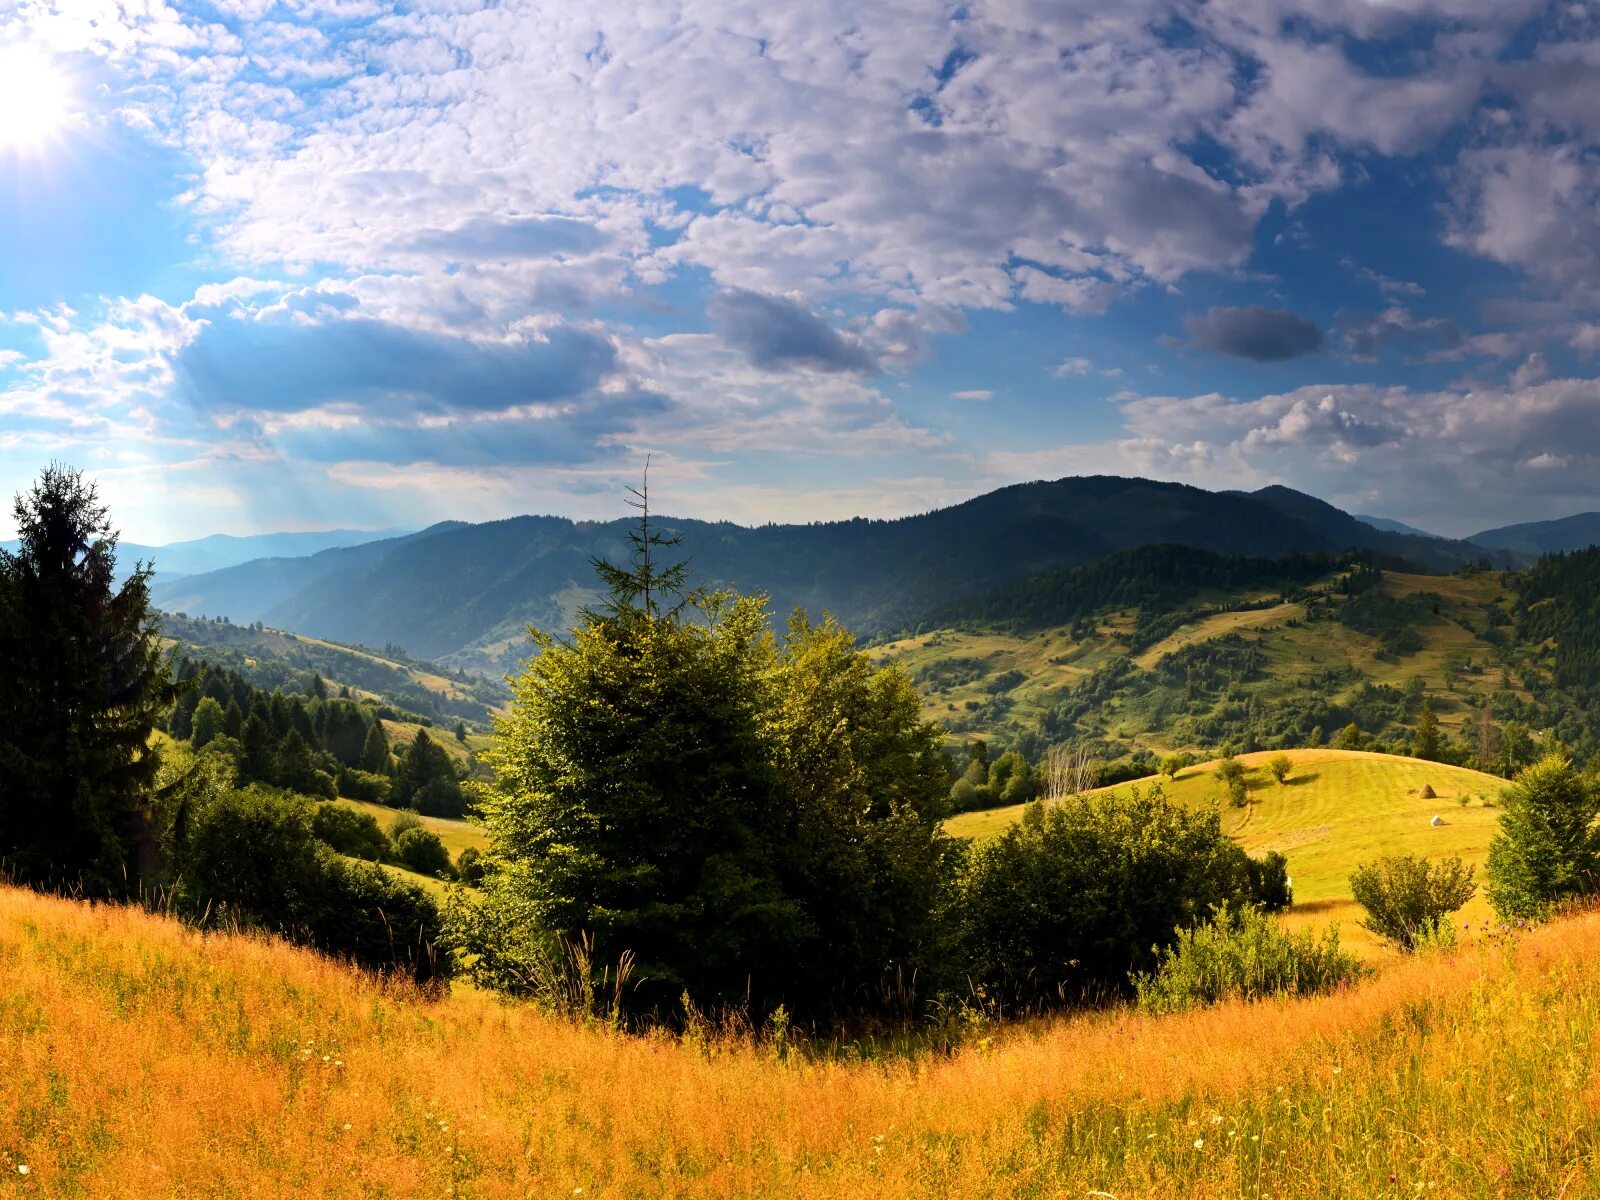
point(1427, 792)
point(1437, 821)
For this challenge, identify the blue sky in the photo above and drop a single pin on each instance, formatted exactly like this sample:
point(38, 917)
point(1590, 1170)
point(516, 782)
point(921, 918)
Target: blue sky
point(325, 263)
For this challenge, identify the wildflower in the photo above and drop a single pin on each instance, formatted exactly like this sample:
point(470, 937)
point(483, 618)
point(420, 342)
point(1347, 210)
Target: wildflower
point(347, 1124)
point(22, 1168)
point(1336, 1070)
point(1199, 1143)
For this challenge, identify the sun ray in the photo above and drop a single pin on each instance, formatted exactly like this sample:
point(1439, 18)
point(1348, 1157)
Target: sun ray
point(35, 99)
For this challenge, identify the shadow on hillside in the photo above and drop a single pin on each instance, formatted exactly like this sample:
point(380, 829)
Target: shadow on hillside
point(1313, 907)
point(1307, 777)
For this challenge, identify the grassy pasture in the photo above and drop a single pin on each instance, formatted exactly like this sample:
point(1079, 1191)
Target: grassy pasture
point(456, 835)
point(144, 1059)
point(1337, 809)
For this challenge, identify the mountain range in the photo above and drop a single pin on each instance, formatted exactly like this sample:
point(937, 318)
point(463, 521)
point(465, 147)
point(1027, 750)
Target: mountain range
point(463, 593)
point(220, 551)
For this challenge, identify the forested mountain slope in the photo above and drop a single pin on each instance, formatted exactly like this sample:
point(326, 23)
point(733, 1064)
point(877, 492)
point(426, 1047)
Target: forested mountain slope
point(463, 593)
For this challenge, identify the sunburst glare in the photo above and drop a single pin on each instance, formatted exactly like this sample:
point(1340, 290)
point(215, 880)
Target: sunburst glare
point(35, 98)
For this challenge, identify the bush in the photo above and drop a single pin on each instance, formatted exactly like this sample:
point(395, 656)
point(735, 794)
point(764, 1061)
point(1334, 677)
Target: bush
point(364, 785)
point(1243, 954)
point(470, 867)
point(1073, 904)
point(423, 852)
point(356, 834)
point(249, 857)
point(1269, 882)
point(1547, 849)
point(1280, 767)
point(1406, 897)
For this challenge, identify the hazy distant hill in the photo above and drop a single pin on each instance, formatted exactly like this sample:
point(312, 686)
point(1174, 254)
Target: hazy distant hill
point(222, 550)
point(458, 588)
point(247, 591)
point(1390, 525)
point(1576, 532)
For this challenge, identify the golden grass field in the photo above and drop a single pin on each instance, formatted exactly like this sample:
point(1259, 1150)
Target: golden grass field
point(1337, 809)
point(141, 1059)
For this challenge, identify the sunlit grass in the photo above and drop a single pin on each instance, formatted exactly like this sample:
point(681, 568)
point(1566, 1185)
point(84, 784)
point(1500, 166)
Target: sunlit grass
point(142, 1059)
point(1338, 809)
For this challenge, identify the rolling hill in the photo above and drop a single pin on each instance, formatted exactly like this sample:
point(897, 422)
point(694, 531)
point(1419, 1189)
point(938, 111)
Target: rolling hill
point(1337, 809)
point(462, 594)
point(143, 1058)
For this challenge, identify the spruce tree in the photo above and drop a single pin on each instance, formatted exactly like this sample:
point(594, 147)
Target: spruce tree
point(375, 750)
point(82, 684)
point(1547, 850)
point(1425, 741)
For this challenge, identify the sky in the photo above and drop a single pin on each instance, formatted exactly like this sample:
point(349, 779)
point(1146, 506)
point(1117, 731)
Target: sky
point(317, 263)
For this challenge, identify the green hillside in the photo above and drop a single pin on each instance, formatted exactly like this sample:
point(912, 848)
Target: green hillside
point(1337, 809)
point(276, 659)
point(1254, 666)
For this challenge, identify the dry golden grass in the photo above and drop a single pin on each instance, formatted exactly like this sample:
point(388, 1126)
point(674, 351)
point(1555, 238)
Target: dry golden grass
point(141, 1059)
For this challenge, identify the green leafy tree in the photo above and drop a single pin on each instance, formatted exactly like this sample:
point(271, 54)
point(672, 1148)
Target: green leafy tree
point(1350, 738)
point(82, 684)
point(209, 723)
point(353, 833)
point(1547, 850)
point(1280, 767)
point(1407, 897)
point(860, 786)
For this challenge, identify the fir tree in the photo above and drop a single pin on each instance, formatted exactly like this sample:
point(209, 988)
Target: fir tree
point(82, 683)
point(375, 750)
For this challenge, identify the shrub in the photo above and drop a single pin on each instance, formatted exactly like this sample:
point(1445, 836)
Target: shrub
point(249, 857)
point(356, 834)
point(1546, 851)
point(1406, 896)
point(1280, 768)
point(364, 785)
point(1243, 954)
point(1269, 882)
point(423, 852)
point(1072, 905)
point(470, 867)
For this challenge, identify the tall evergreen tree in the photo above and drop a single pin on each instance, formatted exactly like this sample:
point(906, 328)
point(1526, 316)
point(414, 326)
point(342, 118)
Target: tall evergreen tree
point(375, 750)
point(1425, 742)
point(82, 681)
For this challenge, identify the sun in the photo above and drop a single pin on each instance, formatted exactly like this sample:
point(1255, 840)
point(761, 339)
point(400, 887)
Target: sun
point(35, 98)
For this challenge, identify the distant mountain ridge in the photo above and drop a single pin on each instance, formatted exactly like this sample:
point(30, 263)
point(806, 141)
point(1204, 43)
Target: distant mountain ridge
point(1577, 532)
point(220, 551)
point(463, 593)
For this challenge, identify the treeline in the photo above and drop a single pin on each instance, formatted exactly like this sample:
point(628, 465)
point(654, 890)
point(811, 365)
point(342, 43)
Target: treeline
point(313, 743)
point(1152, 578)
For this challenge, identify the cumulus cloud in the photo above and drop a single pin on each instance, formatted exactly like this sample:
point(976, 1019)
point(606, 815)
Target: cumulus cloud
point(1366, 335)
point(777, 333)
point(1254, 333)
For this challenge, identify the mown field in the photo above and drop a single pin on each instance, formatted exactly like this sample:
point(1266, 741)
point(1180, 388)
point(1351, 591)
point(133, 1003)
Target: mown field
point(143, 1059)
point(1337, 809)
